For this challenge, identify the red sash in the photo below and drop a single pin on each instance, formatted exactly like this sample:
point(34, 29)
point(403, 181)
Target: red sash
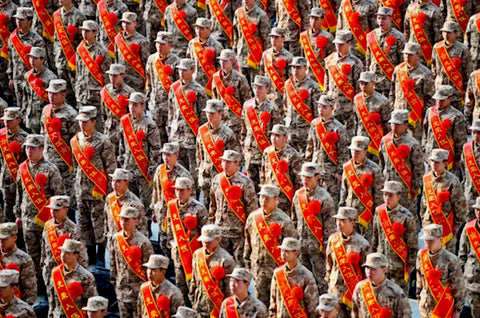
point(4, 36)
point(222, 19)
point(340, 79)
point(452, 72)
point(368, 295)
point(161, 5)
point(112, 103)
point(420, 34)
point(164, 78)
point(8, 155)
point(38, 89)
point(269, 241)
point(207, 67)
point(66, 300)
point(330, 148)
point(258, 133)
point(473, 237)
point(132, 59)
point(232, 103)
point(277, 79)
point(472, 166)
point(291, 303)
point(231, 307)
point(62, 35)
point(312, 58)
point(236, 205)
point(46, 20)
point(330, 20)
point(19, 48)
point(115, 209)
point(292, 12)
point(398, 162)
point(53, 240)
point(282, 178)
point(56, 139)
point(460, 14)
point(477, 21)
point(149, 301)
point(255, 46)
point(90, 63)
point(314, 224)
point(181, 24)
point(380, 57)
point(356, 28)
point(374, 130)
point(396, 14)
point(410, 96)
point(213, 290)
point(134, 264)
point(213, 153)
point(186, 108)
point(299, 104)
point(165, 182)
point(110, 28)
point(135, 146)
point(441, 136)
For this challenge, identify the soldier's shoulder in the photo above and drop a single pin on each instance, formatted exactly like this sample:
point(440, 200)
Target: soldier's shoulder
point(49, 74)
point(48, 165)
point(197, 86)
point(326, 34)
point(455, 112)
point(23, 133)
point(71, 111)
point(25, 257)
point(101, 137)
point(258, 11)
point(355, 59)
point(310, 82)
point(382, 98)
point(140, 237)
point(282, 216)
point(423, 69)
point(21, 308)
point(291, 151)
point(182, 171)
point(395, 32)
point(404, 211)
point(373, 165)
point(150, 122)
point(257, 304)
point(461, 45)
point(410, 140)
point(227, 130)
point(449, 256)
point(338, 124)
point(197, 204)
point(172, 59)
point(189, 10)
point(222, 253)
point(84, 273)
point(305, 272)
point(450, 177)
point(363, 242)
point(394, 289)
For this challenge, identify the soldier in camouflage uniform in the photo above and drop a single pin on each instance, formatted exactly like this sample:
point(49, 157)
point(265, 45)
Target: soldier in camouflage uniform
point(12, 117)
point(180, 42)
point(469, 183)
point(450, 273)
point(158, 89)
point(406, 226)
point(115, 9)
point(12, 256)
point(152, 18)
point(472, 95)
point(296, 275)
point(354, 245)
point(159, 285)
point(371, 178)
point(228, 9)
point(472, 40)
point(215, 257)
point(97, 305)
point(285, 22)
point(230, 220)
point(389, 296)
point(256, 256)
point(126, 281)
point(8, 8)
point(285, 154)
point(9, 303)
point(230, 77)
point(303, 85)
point(331, 171)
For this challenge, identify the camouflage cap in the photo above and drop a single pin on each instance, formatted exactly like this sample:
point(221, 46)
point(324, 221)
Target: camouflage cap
point(137, 97)
point(171, 148)
point(326, 100)
point(214, 106)
point(96, 303)
point(345, 212)
point(71, 246)
point(269, 190)
point(399, 116)
point(231, 155)
point(475, 125)
point(8, 229)
point(375, 260)
point(343, 36)
point(33, 140)
point(450, 26)
point(8, 277)
point(262, 81)
point(385, 11)
point(121, 174)
point(367, 77)
point(129, 17)
point(185, 312)
point(164, 37)
point(317, 12)
point(209, 233)
point(439, 155)
point(432, 231)
point(309, 169)
point(59, 201)
point(299, 61)
point(278, 32)
point(186, 64)
point(227, 54)
point(327, 302)
point(23, 13)
point(392, 187)
point(477, 203)
point(290, 244)
point(157, 261)
point(443, 92)
point(89, 25)
point(203, 23)
point(129, 212)
point(86, 113)
point(37, 51)
point(279, 129)
point(241, 274)
point(116, 69)
point(183, 183)
point(11, 113)
point(359, 143)
point(411, 48)
point(57, 85)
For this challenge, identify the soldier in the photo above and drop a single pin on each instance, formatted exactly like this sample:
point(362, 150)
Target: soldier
point(345, 250)
point(235, 96)
point(9, 303)
point(179, 24)
point(444, 202)
point(328, 306)
point(460, 12)
point(153, 19)
point(472, 40)
point(301, 94)
point(472, 108)
point(211, 264)
point(470, 157)
point(262, 256)
point(186, 99)
point(378, 293)
point(8, 9)
point(132, 51)
point(259, 114)
point(14, 258)
point(97, 307)
point(293, 286)
point(221, 13)
point(281, 164)
point(361, 185)
point(245, 304)
point(412, 88)
point(214, 137)
point(440, 271)
point(385, 45)
point(158, 289)
point(293, 19)
point(95, 157)
point(11, 139)
point(251, 29)
point(395, 235)
point(107, 15)
point(327, 146)
point(161, 73)
point(72, 279)
point(401, 159)
point(38, 79)
point(341, 79)
point(130, 249)
point(229, 209)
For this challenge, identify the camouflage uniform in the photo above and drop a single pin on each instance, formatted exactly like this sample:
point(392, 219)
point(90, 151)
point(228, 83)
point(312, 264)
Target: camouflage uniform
point(88, 8)
point(375, 103)
point(17, 308)
point(151, 17)
point(469, 7)
point(472, 40)
point(472, 108)
point(228, 8)
point(165, 288)
point(293, 30)
point(209, 44)
point(37, 26)
point(467, 183)
point(251, 307)
point(180, 43)
point(116, 7)
point(9, 8)
point(329, 49)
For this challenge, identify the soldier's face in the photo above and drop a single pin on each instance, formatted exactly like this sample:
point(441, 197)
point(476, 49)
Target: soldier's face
point(211, 246)
point(136, 109)
point(248, 3)
point(375, 275)
point(59, 214)
point(229, 166)
point(476, 136)
point(438, 166)
point(443, 103)
point(434, 245)
point(34, 153)
point(56, 99)
point(164, 48)
point(22, 24)
point(238, 286)
point(278, 141)
point(299, 71)
point(170, 159)
point(325, 111)
point(411, 59)
point(36, 62)
point(384, 21)
point(391, 199)
point(186, 75)
point(227, 65)
point(260, 91)
point(69, 258)
point(359, 155)
point(6, 292)
point(183, 194)
point(399, 129)
point(343, 48)
point(328, 314)
point(449, 36)
point(367, 87)
point(345, 226)
point(116, 79)
point(119, 186)
point(277, 41)
point(96, 313)
point(310, 182)
point(202, 32)
point(214, 118)
point(155, 274)
point(288, 256)
point(8, 243)
point(315, 22)
point(12, 124)
point(88, 35)
point(87, 126)
point(129, 27)
point(268, 203)
point(128, 224)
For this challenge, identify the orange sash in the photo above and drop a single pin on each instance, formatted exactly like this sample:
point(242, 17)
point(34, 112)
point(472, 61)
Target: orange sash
point(312, 58)
point(112, 104)
point(165, 183)
point(258, 133)
point(232, 103)
point(53, 240)
point(362, 193)
point(340, 79)
point(207, 67)
point(8, 155)
point(368, 295)
point(186, 108)
point(149, 301)
point(132, 59)
point(135, 146)
point(314, 224)
point(330, 148)
point(442, 295)
point(477, 21)
point(452, 72)
point(66, 300)
point(420, 34)
point(291, 303)
point(380, 57)
point(396, 14)
point(115, 209)
point(46, 20)
point(282, 178)
point(236, 205)
point(38, 89)
point(98, 178)
point(213, 153)
point(231, 307)
point(161, 5)
point(330, 20)
point(134, 264)
point(19, 48)
point(298, 103)
point(222, 19)
point(356, 28)
point(350, 276)
point(398, 162)
point(164, 78)
point(36, 196)
point(441, 136)
point(56, 139)
point(292, 12)
point(410, 96)
point(473, 237)
point(375, 131)
point(181, 24)
point(4, 36)
point(213, 290)
point(435, 208)
point(269, 241)
point(472, 166)
point(255, 46)
point(460, 14)
point(110, 29)
point(90, 63)
point(67, 46)
point(277, 79)
point(396, 242)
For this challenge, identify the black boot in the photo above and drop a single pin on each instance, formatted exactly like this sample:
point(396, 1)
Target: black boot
point(92, 254)
point(100, 256)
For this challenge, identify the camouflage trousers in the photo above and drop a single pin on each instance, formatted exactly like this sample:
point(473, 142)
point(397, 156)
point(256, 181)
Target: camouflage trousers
point(366, 232)
point(127, 310)
point(33, 240)
point(139, 186)
point(91, 221)
point(262, 276)
point(19, 87)
point(161, 121)
point(234, 246)
point(69, 76)
point(9, 196)
point(396, 274)
point(253, 172)
point(315, 262)
point(473, 300)
point(332, 187)
point(180, 279)
point(188, 160)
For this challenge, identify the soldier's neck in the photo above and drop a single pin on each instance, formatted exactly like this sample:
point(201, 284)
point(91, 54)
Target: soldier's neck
point(68, 6)
point(326, 118)
point(120, 193)
point(368, 93)
point(277, 49)
point(119, 85)
point(170, 167)
point(186, 81)
point(70, 267)
point(158, 282)
point(292, 264)
point(179, 3)
point(60, 221)
point(40, 69)
point(226, 72)
point(312, 188)
point(59, 105)
point(24, 30)
point(378, 282)
point(347, 234)
point(260, 99)
point(89, 133)
point(412, 65)
point(267, 212)
point(5, 300)
point(214, 125)
point(300, 78)
point(250, 7)
point(242, 296)
point(448, 43)
point(90, 42)
point(14, 130)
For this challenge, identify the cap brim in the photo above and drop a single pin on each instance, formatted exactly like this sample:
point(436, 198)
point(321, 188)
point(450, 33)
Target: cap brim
point(126, 20)
point(16, 16)
point(28, 144)
point(168, 151)
point(438, 96)
point(370, 265)
point(127, 216)
point(66, 249)
point(306, 174)
point(113, 73)
point(227, 159)
point(340, 217)
point(89, 29)
point(434, 158)
point(8, 118)
point(338, 41)
point(260, 84)
point(325, 308)
point(409, 52)
point(147, 265)
point(286, 248)
point(204, 238)
point(82, 118)
point(275, 34)
point(428, 237)
point(50, 206)
point(53, 90)
point(92, 309)
point(389, 191)
point(4, 236)
point(355, 148)
point(161, 41)
point(393, 121)
point(475, 206)
point(266, 194)
point(4, 284)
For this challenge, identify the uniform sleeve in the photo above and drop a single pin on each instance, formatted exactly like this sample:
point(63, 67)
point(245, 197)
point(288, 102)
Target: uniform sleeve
point(56, 181)
point(28, 281)
point(375, 241)
point(247, 250)
point(176, 300)
point(460, 204)
point(470, 98)
point(272, 308)
point(463, 249)
point(264, 29)
point(311, 296)
point(310, 142)
point(402, 306)
point(90, 289)
point(296, 167)
point(342, 148)
point(466, 65)
point(329, 223)
point(356, 300)
point(419, 276)
point(416, 158)
point(108, 159)
point(457, 283)
point(154, 145)
point(212, 210)
point(250, 197)
point(411, 239)
point(379, 181)
point(193, 281)
point(459, 135)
